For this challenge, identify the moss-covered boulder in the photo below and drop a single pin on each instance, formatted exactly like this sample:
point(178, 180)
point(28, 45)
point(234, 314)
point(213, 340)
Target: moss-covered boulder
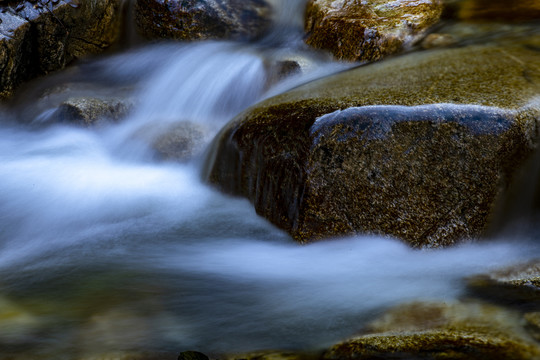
point(41, 37)
point(517, 285)
point(368, 30)
point(417, 147)
point(469, 331)
point(202, 19)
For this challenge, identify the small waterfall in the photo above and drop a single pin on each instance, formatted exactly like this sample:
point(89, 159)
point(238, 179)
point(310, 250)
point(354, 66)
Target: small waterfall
point(102, 247)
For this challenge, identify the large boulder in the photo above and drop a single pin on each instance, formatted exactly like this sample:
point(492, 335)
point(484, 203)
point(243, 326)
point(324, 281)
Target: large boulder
point(202, 19)
point(368, 30)
point(39, 38)
point(441, 331)
point(418, 147)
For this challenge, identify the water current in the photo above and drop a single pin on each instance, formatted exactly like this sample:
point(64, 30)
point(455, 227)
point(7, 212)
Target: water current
point(104, 248)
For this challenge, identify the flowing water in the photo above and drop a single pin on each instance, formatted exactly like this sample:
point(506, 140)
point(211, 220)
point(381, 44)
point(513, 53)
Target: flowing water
point(104, 248)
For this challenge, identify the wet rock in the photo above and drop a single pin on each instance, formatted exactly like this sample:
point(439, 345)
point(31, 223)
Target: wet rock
point(279, 70)
point(90, 110)
point(192, 355)
point(533, 324)
point(273, 355)
point(517, 286)
point(180, 141)
point(202, 19)
point(36, 40)
point(441, 331)
point(499, 10)
point(368, 30)
point(389, 162)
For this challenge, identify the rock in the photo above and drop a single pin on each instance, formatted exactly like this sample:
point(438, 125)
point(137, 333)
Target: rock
point(533, 324)
point(36, 40)
point(180, 141)
point(192, 355)
point(516, 286)
point(368, 30)
point(441, 331)
point(390, 163)
point(91, 110)
point(279, 70)
point(273, 355)
point(202, 19)
point(499, 10)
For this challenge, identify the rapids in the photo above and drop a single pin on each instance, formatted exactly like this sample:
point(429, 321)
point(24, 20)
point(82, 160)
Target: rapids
point(103, 248)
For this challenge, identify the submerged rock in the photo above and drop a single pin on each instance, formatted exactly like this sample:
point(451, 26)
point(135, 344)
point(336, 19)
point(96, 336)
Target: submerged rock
point(91, 110)
point(516, 286)
point(441, 331)
point(368, 30)
point(41, 38)
point(389, 162)
point(202, 19)
point(180, 141)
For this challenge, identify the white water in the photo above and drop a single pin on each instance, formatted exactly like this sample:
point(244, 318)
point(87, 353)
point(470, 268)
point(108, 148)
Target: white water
point(104, 249)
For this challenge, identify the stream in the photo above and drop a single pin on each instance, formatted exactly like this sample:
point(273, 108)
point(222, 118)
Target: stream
point(105, 248)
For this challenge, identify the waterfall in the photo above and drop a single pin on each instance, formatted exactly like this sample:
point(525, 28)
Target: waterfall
point(103, 247)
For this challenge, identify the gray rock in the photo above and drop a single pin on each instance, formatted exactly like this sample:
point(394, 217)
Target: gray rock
point(36, 40)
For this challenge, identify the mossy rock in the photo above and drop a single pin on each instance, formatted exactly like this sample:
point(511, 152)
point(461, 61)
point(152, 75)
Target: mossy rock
point(517, 286)
point(368, 30)
point(36, 39)
point(202, 19)
point(418, 147)
point(441, 331)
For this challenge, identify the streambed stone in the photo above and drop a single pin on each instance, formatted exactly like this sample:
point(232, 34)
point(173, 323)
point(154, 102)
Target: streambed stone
point(91, 110)
point(441, 331)
point(517, 285)
point(36, 39)
point(368, 30)
point(202, 19)
point(417, 147)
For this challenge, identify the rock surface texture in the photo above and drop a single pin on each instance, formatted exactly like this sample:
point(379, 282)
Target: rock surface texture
point(441, 331)
point(417, 147)
point(39, 38)
point(202, 19)
point(368, 30)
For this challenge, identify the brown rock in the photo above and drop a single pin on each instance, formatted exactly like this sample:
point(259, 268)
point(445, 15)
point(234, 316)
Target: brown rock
point(202, 19)
point(368, 30)
point(441, 331)
point(428, 174)
point(516, 286)
point(499, 10)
